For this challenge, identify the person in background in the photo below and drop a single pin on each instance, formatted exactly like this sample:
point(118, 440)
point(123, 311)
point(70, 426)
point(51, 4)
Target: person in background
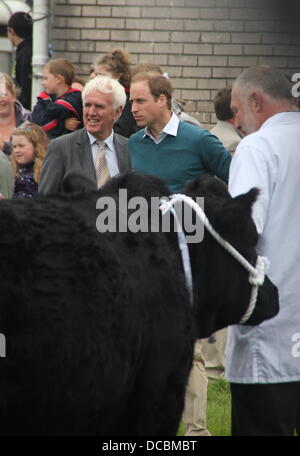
point(92, 73)
point(166, 147)
point(12, 113)
point(213, 348)
point(6, 177)
point(78, 83)
point(175, 151)
point(59, 101)
point(177, 105)
point(94, 153)
point(73, 123)
point(29, 144)
point(116, 64)
point(225, 129)
point(263, 362)
point(19, 32)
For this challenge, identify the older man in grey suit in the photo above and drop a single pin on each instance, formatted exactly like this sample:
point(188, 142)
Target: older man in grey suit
point(95, 153)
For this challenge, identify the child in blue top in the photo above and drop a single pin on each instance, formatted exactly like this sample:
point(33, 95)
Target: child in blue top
point(59, 101)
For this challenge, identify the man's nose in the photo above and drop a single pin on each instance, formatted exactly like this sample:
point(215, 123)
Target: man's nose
point(92, 110)
point(133, 106)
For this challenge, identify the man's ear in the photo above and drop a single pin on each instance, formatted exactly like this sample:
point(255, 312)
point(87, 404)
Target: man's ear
point(162, 100)
point(256, 101)
point(117, 113)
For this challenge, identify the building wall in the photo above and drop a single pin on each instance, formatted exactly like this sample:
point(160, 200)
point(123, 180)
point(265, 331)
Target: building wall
point(202, 44)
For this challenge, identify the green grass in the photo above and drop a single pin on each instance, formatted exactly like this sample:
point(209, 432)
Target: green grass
point(218, 409)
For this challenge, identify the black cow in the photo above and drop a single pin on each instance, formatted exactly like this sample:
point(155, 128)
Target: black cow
point(99, 328)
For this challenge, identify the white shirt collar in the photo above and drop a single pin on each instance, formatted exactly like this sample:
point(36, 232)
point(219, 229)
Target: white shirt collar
point(109, 141)
point(170, 128)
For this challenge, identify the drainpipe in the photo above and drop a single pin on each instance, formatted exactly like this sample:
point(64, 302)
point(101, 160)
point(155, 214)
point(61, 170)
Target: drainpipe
point(40, 43)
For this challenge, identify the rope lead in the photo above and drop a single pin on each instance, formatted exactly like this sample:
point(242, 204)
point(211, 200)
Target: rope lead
point(256, 275)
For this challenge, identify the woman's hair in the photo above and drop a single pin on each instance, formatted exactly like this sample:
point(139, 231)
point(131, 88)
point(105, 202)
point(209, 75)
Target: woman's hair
point(146, 67)
point(39, 140)
point(80, 80)
point(9, 83)
point(92, 70)
point(118, 64)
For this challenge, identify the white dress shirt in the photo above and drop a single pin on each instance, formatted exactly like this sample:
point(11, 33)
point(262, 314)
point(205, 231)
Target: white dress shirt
point(110, 153)
point(169, 129)
point(270, 160)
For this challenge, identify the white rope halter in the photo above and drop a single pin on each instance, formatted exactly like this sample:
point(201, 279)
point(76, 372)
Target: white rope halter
point(256, 275)
point(165, 206)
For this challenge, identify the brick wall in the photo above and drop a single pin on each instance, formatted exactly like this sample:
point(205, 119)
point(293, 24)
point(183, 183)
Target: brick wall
point(202, 44)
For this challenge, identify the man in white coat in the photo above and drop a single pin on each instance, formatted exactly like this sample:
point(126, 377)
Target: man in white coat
point(263, 362)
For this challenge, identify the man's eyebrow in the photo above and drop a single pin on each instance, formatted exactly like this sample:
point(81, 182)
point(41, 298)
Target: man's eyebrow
point(98, 105)
point(136, 99)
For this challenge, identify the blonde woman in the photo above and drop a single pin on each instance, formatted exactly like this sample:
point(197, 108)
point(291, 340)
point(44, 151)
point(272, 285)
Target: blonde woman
point(12, 113)
point(29, 147)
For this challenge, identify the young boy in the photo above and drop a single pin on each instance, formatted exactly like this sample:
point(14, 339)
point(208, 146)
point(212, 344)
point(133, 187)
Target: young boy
point(59, 101)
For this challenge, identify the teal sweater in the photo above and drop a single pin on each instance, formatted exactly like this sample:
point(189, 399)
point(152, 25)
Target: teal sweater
point(178, 159)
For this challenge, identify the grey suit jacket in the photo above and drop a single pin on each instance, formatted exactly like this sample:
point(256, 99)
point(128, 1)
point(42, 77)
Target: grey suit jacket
point(71, 156)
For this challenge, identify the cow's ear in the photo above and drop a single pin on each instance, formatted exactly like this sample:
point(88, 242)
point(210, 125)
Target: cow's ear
point(206, 185)
point(234, 218)
point(245, 201)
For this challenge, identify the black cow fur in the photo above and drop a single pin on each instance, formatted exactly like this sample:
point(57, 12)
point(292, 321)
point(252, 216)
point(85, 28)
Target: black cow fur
point(99, 328)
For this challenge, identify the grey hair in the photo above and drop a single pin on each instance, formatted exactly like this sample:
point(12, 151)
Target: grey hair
point(268, 79)
point(105, 84)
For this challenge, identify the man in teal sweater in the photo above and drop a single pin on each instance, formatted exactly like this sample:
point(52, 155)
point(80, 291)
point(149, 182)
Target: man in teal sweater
point(168, 148)
point(176, 152)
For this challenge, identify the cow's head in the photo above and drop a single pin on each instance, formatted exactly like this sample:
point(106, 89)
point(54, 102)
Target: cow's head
point(221, 285)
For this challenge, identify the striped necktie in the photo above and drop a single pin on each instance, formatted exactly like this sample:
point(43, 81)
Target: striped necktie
point(102, 171)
